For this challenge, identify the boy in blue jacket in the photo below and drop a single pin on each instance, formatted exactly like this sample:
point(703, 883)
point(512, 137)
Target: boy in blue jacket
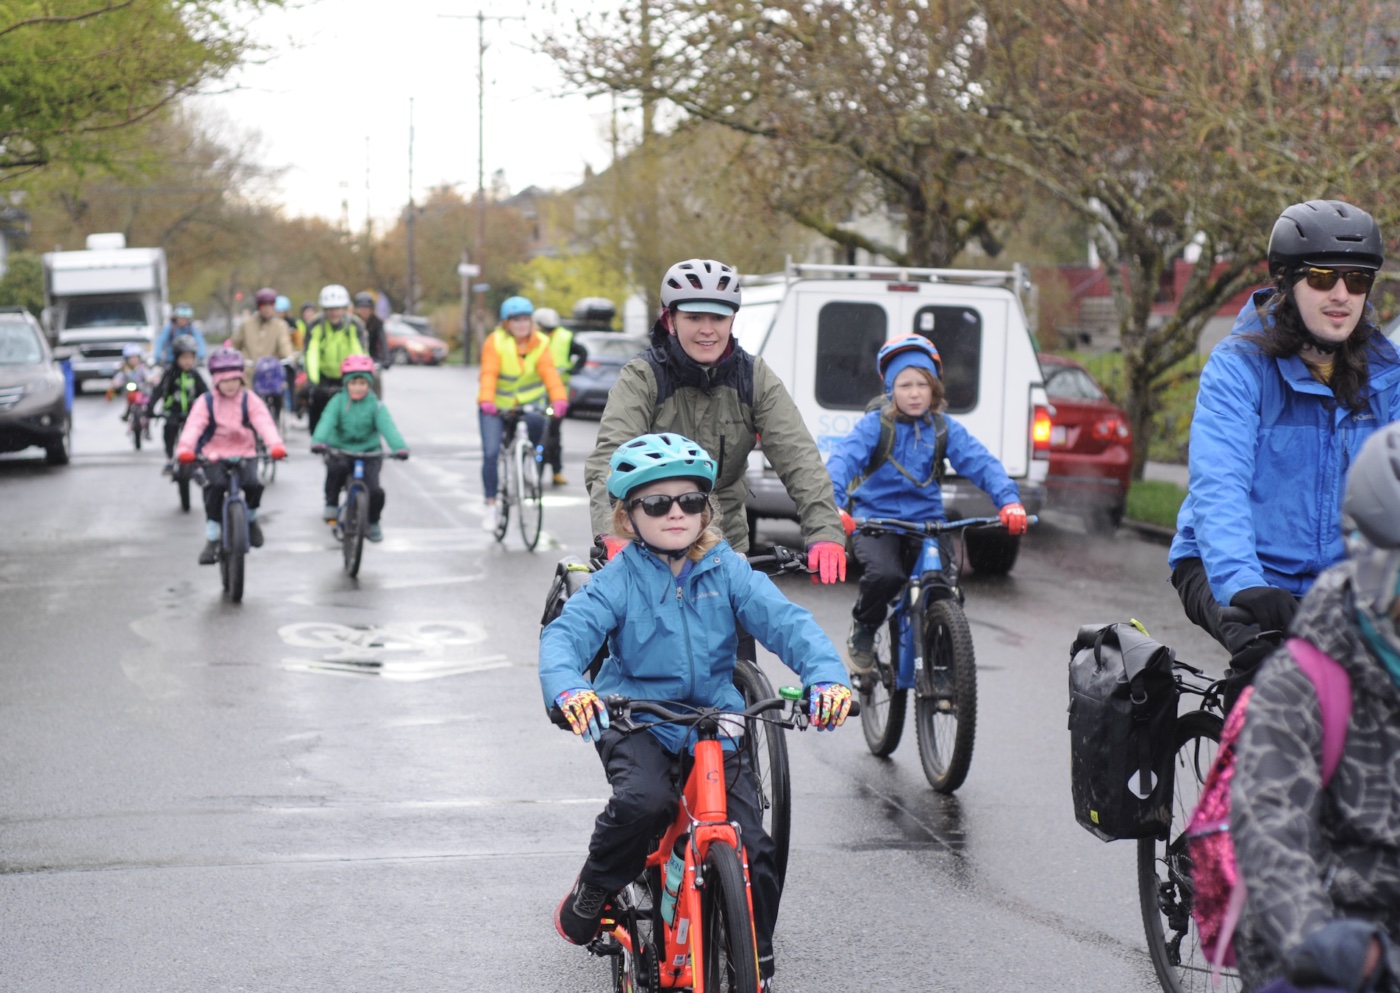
point(667, 606)
point(905, 482)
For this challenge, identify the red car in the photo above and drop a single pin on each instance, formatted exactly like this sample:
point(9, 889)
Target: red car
point(1091, 446)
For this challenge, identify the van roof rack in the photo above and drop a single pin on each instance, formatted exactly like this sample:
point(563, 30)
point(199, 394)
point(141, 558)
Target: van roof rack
point(1017, 278)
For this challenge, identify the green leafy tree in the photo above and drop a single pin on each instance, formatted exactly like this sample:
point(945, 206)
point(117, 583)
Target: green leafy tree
point(561, 280)
point(23, 283)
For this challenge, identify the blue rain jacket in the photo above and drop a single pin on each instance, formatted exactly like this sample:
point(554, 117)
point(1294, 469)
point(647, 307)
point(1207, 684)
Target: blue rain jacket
point(671, 639)
point(887, 493)
point(1270, 449)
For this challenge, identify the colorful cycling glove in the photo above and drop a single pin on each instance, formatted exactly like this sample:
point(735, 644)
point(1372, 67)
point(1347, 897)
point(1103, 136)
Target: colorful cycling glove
point(586, 714)
point(830, 704)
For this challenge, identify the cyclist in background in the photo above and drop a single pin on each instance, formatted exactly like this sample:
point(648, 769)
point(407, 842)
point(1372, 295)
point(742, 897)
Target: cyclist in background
point(181, 322)
point(354, 421)
point(1321, 866)
point(263, 334)
point(329, 342)
point(304, 322)
point(376, 341)
point(178, 389)
point(222, 426)
point(569, 355)
point(682, 588)
point(133, 370)
point(1284, 405)
point(906, 484)
point(516, 369)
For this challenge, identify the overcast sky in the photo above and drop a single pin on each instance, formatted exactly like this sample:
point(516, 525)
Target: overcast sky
point(341, 72)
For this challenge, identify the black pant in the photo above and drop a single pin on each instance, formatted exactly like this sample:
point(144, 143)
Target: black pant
point(645, 780)
point(216, 487)
point(553, 444)
point(172, 434)
point(885, 561)
point(338, 471)
point(321, 394)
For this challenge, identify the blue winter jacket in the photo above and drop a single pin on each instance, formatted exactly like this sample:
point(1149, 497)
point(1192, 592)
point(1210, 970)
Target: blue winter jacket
point(1270, 449)
point(164, 349)
point(670, 640)
point(888, 493)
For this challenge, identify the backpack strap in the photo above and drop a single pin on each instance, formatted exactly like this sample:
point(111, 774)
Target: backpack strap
point(207, 434)
point(1333, 687)
point(884, 447)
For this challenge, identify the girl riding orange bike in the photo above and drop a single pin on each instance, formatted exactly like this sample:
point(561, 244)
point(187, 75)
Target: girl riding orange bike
point(667, 607)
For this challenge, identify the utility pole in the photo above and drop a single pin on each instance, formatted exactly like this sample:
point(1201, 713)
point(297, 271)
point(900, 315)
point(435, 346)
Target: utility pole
point(411, 296)
point(479, 253)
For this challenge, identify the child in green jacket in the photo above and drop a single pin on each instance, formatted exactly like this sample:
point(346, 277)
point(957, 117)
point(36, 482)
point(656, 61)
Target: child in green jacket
point(353, 421)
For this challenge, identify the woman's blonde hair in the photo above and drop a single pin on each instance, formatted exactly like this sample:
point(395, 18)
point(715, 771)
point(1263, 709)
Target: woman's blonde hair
point(937, 404)
point(708, 538)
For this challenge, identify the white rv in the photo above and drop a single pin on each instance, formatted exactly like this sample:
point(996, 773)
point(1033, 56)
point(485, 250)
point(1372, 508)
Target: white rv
point(819, 327)
point(101, 299)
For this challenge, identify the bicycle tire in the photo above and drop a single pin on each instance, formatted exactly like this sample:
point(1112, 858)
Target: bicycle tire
point(531, 494)
point(766, 749)
point(183, 485)
point(945, 702)
point(135, 424)
point(1164, 869)
point(882, 704)
point(728, 950)
point(635, 909)
point(353, 527)
point(236, 547)
point(505, 484)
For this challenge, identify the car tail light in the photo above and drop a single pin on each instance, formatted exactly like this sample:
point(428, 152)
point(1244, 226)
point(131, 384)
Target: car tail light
point(591, 364)
point(1040, 432)
point(1112, 428)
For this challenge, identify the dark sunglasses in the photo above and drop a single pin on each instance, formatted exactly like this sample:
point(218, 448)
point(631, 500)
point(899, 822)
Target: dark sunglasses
point(659, 505)
point(1357, 281)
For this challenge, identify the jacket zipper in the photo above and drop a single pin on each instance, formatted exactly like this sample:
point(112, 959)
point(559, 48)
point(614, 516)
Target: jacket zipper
point(689, 655)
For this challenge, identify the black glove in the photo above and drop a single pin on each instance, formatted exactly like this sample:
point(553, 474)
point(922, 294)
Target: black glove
point(1272, 608)
point(1335, 956)
point(319, 449)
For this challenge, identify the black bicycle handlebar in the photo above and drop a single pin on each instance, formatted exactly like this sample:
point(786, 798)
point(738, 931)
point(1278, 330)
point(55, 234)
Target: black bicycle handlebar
point(877, 525)
point(620, 707)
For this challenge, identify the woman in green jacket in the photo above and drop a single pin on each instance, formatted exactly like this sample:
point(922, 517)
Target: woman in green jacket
point(353, 421)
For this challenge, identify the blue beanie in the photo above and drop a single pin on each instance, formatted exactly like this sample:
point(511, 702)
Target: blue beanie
point(912, 358)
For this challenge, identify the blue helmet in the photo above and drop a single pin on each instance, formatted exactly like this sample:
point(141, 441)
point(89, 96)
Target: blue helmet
point(282, 304)
point(183, 309)
point(132, 350)
point(654, 457)
point(516, 307)
point(899, 354)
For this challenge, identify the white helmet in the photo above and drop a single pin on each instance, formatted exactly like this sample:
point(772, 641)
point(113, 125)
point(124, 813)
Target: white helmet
point(547, 318)
point(335, 295)
point(701, 285)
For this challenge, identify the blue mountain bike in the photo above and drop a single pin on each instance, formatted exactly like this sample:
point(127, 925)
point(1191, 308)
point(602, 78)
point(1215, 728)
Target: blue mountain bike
point(926, 646)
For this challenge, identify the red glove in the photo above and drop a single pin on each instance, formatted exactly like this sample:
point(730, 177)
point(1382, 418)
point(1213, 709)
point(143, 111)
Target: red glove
point(185, 458)
point(278, 454)
point(1013, 516)
point(827, 560)
point(848, 522)
point(612, 545)
point(560, 407)
point(490, 409)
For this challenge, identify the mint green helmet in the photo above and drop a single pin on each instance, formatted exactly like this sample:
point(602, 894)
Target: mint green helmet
point(653, 457)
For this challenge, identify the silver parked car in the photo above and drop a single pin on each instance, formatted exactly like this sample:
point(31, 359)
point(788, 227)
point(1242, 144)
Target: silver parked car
point(34, 405)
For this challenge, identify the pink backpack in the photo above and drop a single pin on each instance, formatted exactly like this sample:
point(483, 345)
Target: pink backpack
point(1219, 891)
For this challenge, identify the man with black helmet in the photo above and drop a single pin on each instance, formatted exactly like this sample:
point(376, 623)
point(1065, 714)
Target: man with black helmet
point(1285, 403)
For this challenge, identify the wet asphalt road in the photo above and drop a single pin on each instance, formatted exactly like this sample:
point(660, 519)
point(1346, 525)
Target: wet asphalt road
point(349, 785)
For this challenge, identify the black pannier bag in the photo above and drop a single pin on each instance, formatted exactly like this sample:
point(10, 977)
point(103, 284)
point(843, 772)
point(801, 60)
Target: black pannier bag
point(1122, 725)
point(570, 576)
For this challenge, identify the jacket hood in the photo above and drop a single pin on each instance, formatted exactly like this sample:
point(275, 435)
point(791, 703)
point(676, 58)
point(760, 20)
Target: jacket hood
point(1327, 618)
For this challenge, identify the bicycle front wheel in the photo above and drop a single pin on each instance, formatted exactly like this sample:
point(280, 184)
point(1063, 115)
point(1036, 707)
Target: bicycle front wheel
point(267, 466)
point(182, 483)
point(1165, 890)
point(882, 703)
point(531, 503)
point(353, 528)
point(505, 494)
point(235, 546)
point(729, 954)
point(766, 750)
point(945, 704)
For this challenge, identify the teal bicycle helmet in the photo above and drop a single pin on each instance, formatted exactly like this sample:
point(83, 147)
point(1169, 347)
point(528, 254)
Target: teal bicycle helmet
point(654, 457)
point(516, 307)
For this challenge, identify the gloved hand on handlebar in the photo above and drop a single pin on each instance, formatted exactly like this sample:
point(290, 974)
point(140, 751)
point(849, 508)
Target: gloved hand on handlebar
point(320, 448)
point(186, 458)
point(830, 702)
point(827, 560)
point(1013, 518)
point(560, 407)
point(278, 454)
point(848, 523)
point(586, 714)
point(1272, 607)
point(401, 454)
point(606, 546)
point(489, 409)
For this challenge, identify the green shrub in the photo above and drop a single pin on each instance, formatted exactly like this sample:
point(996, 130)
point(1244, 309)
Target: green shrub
point(1154, 502)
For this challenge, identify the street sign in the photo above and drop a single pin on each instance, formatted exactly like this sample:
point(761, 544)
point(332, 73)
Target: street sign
point(467, 269)
point(480, 287)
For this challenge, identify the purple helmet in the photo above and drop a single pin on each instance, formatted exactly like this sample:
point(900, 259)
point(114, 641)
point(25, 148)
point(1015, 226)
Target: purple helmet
point(225, 360)
point(265, 295)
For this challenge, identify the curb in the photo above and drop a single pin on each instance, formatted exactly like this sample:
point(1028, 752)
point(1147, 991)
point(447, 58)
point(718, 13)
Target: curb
point(1152, 532)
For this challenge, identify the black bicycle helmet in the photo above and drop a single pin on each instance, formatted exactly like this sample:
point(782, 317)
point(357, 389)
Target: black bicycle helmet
point(1325, 233)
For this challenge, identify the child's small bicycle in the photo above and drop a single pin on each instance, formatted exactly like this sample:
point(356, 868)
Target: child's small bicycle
point(138, 414)
point(926, 646)
point(233, 542)
point(352, 522)
point(703, 941)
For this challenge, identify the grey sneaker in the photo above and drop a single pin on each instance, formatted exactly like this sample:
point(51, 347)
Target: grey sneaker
point(330, 514)
point(375, 533)
point(210, 554)
point(860, 647)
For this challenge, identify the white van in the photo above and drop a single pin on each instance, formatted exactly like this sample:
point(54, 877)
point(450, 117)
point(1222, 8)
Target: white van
point(819, 326)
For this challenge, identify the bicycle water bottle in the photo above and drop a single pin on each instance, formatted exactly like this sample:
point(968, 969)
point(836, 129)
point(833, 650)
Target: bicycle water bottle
point(675, 869)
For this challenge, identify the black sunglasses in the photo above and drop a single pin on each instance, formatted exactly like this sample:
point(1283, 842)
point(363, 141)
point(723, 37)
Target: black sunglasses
point(1357, 281)
point(659, 505)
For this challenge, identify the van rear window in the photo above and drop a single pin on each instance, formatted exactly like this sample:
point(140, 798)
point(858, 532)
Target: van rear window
point(848, 336)
point(957, 334)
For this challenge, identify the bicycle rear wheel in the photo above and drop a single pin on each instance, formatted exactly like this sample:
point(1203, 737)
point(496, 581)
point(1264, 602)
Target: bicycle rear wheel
point(235, 546)
point(528, 486)
point(945, 703)
point(353, 527)
point(729, 953)
point(882, 703)
point(1165, 890)
point(505, 495)
point(767, 751)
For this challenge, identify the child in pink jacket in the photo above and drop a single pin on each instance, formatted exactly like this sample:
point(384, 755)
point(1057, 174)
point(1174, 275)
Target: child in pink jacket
point(221, 425)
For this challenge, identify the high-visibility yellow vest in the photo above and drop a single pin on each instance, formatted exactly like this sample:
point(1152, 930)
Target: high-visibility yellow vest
point(561, 339)
point(519, 381)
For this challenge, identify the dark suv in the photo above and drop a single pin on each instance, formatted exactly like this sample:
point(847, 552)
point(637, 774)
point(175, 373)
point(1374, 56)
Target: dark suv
point(34, 406)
